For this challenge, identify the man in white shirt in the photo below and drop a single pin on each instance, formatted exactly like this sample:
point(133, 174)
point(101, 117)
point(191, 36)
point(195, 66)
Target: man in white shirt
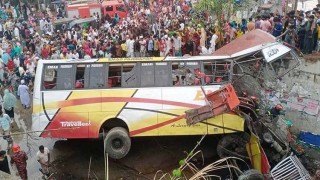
point(130, 46)
point(213, 42)
point(43, 157)
point(87, 56)
point(177, 44)
point(143, 44)
point(75, 54)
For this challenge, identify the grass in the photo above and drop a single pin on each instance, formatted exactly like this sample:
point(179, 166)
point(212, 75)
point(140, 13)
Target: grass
point(204, 173)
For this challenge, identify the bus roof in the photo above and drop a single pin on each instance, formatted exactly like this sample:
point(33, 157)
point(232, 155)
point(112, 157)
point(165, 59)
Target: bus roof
point(217, 58)
point(135, 59)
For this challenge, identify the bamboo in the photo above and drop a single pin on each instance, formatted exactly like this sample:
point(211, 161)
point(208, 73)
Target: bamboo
point(89, 168)
point(296, 6)
point(105, 162)
point(27, 132)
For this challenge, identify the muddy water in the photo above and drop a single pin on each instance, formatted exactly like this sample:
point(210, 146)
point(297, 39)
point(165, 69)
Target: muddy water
point(71, 159)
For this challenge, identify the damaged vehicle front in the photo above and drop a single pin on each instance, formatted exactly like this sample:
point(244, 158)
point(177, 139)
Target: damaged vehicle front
point(257, 61)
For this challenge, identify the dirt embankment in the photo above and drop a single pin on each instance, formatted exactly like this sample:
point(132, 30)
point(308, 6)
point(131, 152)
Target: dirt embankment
point(312, 57)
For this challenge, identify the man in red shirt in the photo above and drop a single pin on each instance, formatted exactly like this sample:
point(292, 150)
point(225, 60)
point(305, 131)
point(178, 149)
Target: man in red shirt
point(45, 52)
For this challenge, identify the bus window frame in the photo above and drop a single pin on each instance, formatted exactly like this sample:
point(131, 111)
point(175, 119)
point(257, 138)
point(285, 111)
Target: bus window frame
point(154, 76)
point(215, 63)
point(107, 65)
point(121, 69)
point(200, 64)
point(136, 66)
point(169, 69)
point(45, 65)
point(106, 73)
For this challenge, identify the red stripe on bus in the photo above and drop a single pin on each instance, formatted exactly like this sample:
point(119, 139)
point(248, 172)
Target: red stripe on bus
point(149, 128)
point(73, 102)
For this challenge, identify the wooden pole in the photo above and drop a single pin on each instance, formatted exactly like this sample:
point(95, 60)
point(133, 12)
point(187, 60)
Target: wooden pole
point(89, 168)
point(105, 159)
point(27, 132)
point(296, 6)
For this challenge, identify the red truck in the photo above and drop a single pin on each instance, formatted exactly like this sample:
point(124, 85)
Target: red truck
point(85, 9)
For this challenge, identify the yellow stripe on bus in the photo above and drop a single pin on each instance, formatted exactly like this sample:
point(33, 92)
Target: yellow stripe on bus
point(133, 59)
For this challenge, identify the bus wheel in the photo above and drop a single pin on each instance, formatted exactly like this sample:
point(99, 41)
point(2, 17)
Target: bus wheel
point(251, 174)
point(232, 145)
point(117, 143)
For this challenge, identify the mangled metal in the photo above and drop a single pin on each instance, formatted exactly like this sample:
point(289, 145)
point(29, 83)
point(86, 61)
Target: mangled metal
point(257, 61)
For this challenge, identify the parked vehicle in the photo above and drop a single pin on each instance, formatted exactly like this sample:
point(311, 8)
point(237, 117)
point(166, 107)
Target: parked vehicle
point(85, 9)
point(62, 24)
point(113, 7)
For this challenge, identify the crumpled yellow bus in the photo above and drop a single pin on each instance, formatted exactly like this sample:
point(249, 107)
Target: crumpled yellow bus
point(125, 98)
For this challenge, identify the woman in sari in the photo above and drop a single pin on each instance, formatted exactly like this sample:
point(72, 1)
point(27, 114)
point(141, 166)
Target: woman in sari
point(9, 102)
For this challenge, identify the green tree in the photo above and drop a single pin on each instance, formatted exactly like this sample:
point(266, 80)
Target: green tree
point(216, 9)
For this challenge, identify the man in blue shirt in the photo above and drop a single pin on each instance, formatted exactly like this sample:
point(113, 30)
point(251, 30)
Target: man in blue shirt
point(277, 30)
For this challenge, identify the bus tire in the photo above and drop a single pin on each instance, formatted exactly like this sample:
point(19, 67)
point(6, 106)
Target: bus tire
point(251, 174)
point(117, 143)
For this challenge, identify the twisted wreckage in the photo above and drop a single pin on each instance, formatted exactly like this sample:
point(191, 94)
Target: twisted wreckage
point(253, 61)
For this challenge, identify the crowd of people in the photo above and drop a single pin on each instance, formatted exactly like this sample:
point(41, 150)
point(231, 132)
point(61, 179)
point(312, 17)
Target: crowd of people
point(152, 28)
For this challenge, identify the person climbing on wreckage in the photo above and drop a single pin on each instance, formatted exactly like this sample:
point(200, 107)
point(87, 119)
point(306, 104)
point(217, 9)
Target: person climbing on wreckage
point(275, 111)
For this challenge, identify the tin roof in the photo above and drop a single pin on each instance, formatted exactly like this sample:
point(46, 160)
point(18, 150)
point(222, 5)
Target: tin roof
point(252, 39)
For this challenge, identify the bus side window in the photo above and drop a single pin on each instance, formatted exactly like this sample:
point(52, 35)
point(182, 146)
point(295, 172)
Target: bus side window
point(216, 72)
point(97, 75)
point(162, 74)
point(147, 74)
point(178, 75)
point(191, 70)
point(81, 73)
point(65, 77)
point(114, 75)
point(50, 77)
point(208, 73)
point(130, 76)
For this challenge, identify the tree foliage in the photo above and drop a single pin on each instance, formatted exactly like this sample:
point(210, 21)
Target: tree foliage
point(221, 7)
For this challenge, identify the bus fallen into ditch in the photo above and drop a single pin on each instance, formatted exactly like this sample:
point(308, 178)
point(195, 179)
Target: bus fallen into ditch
point(130, 97)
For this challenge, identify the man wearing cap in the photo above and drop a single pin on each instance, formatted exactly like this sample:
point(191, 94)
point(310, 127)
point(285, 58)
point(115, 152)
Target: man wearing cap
point(43, 157)
point(23, 93)
point(19, 158)
point(143, 46)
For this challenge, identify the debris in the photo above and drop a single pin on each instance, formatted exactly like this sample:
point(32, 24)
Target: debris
point(221, 101)
point(290, 168)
